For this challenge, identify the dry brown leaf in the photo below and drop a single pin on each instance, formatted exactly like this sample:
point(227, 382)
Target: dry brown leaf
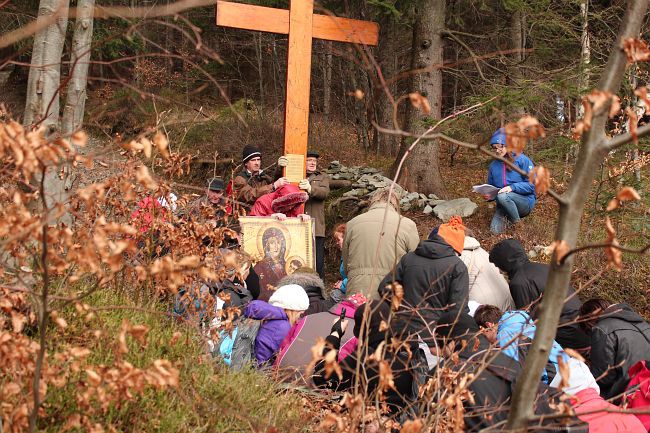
point(79, 138)
point(420, 102)
point(540, 177)
point(412, 426)
point(615, 108)
point(561, 248)
point(18, 322)
point(139, 333)
point(579, 129)
point(383, 326)
point(397, 291)
point(614, 255)
point(625, 194)
point(636, 50)
point(634, 123)
point(144, 178)
point(565, 372)
point(175, 337)
point(642, 93)
point(530, 127)
point(358, 94)
point(332, 365)
point(146, 146)
point(162, 144)
point(59, 321)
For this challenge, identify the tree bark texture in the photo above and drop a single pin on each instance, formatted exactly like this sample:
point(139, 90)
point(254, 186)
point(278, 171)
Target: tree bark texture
point(585, 56)
point(42, 102)
point(593, 150)
point(518, 40)
point(383, 103)
point(422, 168)
point(327, 79)
point(75, 101)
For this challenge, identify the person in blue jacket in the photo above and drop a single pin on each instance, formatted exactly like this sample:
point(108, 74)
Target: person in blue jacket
point(516, 197)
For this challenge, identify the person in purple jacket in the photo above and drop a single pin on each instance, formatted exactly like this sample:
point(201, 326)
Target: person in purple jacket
point(516, 197)
point(277, 316)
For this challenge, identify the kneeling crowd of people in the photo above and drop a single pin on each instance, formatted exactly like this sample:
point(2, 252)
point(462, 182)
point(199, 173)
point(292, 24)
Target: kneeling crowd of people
point(443, 307)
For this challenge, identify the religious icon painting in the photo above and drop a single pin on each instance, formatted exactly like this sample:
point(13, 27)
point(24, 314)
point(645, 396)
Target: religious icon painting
point(277, 247)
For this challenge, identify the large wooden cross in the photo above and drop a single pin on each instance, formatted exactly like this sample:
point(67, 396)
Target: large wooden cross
point(301, 24)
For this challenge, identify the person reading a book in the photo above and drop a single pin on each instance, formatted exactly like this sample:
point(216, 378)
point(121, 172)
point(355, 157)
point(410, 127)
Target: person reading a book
point(515, 198)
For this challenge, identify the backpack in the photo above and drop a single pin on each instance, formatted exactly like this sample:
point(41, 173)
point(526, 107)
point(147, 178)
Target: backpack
point(637, 392)
point(238, 349)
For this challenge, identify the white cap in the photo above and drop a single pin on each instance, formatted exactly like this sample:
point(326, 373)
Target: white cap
point(580, 378)
point(290, 297)
point(473, 306)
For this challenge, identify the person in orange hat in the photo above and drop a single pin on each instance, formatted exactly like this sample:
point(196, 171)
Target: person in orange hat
point(434, 281)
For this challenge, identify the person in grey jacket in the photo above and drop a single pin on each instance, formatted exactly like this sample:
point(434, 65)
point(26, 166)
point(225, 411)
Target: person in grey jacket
point(619, 339)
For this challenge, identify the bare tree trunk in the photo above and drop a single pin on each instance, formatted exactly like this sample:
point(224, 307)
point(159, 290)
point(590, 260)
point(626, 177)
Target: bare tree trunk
point(384, 104)
point(260, 69)
point(585, 56)
point(75, 102)
point(422, 168)
point(595, 146)
point(518, 38)
point(42, 102)
point(327, 79)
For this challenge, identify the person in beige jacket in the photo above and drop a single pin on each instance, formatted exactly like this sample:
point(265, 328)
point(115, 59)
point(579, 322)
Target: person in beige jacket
point(364, 265)
point(486, 284)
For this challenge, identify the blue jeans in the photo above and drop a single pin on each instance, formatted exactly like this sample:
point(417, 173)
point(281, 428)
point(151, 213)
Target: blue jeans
point(511, 207)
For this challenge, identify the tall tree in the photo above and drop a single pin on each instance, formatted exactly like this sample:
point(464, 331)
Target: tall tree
point(75, 102)
point(422, 168)
point(42, 101)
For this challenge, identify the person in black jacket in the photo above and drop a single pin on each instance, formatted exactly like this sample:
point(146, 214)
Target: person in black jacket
point(527, 282)
point(434, 280)
point(619, 339)
point(495, 376)
point(404, 361)
point(309, 280)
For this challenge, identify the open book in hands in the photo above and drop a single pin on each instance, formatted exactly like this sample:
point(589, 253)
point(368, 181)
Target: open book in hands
point(485, 189)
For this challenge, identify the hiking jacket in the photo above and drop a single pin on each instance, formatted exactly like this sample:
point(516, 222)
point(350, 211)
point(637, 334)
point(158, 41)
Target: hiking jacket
point(486, 284)
point(295, 352)
point(315, 206)
point(500, 175)
point(619, 340)
point(435, 281)
point(515, 334)
point(233, 294)
point(315, 289)
point(592, 409)
point(362, 239)
point(275, 326)
point(527, 284)
point(248, 187)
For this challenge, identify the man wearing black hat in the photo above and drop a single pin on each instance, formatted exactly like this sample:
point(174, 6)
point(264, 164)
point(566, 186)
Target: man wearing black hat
point(252, 183)
point(317, 185)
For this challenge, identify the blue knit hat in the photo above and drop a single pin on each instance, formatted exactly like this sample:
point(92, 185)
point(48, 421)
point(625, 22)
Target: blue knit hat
point(499, 137)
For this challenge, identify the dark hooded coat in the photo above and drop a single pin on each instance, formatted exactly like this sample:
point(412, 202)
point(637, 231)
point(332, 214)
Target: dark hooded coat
point(435, 280)
point(619, 340)
point(315, 289)
point(403, 362)
point(527, 281)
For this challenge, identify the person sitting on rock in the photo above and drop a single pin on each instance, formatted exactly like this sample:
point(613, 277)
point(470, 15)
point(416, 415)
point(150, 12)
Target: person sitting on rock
point(516, 197)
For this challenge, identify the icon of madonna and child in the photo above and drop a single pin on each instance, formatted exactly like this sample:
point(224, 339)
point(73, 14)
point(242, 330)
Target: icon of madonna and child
point(281, 248)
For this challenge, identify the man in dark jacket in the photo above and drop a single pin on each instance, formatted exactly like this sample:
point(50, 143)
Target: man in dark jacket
point(619, 339)
point(527, 282)
point(434, 280)
point(317, 185)
point(495, 373)
point(252, 182)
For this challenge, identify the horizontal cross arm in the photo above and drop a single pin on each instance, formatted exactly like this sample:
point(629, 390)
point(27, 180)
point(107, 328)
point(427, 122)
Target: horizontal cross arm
point(251, 17)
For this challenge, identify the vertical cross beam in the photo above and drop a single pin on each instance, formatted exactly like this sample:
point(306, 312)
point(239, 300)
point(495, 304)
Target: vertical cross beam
point(298, 77)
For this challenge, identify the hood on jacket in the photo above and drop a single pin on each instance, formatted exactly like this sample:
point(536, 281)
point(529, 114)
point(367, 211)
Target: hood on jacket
point(312, 283)
point(623, 312)
point(471, 244)
point(435, 248)
point(288, 198)
point(378, 311)
point(508, 255)
point(260, 310)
